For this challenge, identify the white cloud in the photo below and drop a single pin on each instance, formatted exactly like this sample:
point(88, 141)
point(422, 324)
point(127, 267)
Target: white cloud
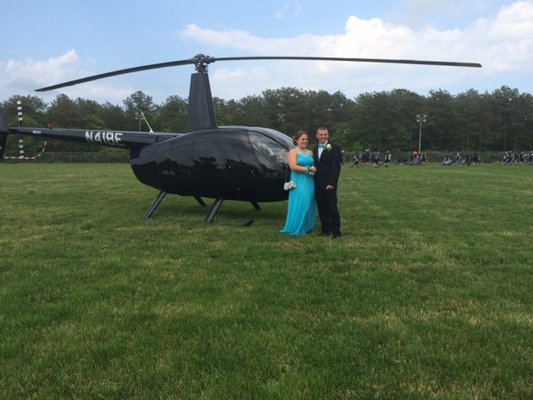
point(503, 43)
point(24, 77)
point(37, 73)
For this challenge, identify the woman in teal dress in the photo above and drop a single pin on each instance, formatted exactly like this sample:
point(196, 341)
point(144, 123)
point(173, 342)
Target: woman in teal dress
point(301, 212)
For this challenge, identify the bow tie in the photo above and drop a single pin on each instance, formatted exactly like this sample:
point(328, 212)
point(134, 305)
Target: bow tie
point(321, 146)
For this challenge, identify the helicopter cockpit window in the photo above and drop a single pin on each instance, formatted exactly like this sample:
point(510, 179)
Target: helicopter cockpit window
point(236, 150)
point(271, 154)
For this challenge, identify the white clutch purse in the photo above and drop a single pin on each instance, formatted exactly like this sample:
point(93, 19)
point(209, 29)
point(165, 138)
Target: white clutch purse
point(289, 185)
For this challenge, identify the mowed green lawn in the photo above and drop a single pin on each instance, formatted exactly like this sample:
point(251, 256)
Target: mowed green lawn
point(428, 295)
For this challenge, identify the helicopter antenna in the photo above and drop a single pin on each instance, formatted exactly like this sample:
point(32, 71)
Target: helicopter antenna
point(145, 120)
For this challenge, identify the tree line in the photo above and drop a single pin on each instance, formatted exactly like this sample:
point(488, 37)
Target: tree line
point(501, 120)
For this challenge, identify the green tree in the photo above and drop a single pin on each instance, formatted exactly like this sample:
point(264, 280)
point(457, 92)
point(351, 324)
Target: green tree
point(113, 116)
point(250, 110)
point(441, 130)
point(470, 121)
point(172, 115)
point(504, 101)
point(65, 113)
point(473, 120)
point(90, 114)
point(286, 108)
point(133, 118)
point(521, 134)
point(384, 120)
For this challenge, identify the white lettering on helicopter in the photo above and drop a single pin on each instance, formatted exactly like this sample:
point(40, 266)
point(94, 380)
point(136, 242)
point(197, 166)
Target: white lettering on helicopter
point(105, 138)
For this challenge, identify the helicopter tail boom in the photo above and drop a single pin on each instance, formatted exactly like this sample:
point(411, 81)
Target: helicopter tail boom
point(124, 139)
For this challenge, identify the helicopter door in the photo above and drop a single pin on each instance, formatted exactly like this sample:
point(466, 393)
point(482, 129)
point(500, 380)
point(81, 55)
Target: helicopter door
point(176, 168)
point(240, 163)
point(211, 179)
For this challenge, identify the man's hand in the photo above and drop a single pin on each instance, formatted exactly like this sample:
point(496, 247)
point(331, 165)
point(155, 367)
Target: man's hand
point(330, 187)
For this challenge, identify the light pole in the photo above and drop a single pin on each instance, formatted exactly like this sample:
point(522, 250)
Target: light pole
point(420, 118)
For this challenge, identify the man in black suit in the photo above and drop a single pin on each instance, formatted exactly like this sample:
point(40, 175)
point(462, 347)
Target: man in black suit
point(328, 157)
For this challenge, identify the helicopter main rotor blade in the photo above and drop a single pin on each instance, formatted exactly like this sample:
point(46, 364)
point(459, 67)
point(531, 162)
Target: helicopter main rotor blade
point(201, 61)
point(118, 72)
point(371, 60)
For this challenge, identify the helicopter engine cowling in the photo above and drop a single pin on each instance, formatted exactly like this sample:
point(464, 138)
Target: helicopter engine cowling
point(235, 163)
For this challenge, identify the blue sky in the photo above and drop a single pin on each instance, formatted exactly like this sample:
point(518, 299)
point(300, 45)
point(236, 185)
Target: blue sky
point(48, 42)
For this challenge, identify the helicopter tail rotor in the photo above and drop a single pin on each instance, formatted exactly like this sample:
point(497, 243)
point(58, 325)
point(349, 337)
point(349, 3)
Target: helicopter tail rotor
point(4, 131)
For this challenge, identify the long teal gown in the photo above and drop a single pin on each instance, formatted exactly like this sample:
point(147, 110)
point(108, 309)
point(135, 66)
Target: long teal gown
point(301, 212)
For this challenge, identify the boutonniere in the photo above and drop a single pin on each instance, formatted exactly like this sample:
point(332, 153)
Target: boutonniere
point(328, 147)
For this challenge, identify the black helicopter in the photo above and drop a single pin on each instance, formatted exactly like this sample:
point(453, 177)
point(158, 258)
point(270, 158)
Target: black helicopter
point(224, 163)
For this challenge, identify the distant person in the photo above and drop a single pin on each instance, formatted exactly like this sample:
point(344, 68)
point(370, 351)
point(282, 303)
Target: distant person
point(388, 158)
point(458, 158)
point(328, 167)
point(505, 158)
point(376, 159)
point(365, 157)
point(301, 210)
point(355, 161)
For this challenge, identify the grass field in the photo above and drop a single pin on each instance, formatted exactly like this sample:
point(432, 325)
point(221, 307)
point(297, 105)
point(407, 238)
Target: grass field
point(428, 295)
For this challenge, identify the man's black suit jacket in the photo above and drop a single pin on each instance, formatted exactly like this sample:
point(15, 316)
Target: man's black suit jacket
point(328, 167)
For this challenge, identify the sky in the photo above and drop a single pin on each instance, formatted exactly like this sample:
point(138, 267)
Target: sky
point(49, 42)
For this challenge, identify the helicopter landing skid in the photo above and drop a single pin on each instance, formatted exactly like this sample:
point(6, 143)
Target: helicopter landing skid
point(216, 206)
point(200, 201)
point(155, 204)
point(214, 210)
